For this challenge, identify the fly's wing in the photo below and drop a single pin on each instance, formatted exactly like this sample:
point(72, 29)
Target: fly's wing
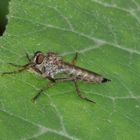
point(61, 74)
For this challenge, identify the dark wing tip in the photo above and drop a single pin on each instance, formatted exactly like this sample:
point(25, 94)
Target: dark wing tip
point(105, 80)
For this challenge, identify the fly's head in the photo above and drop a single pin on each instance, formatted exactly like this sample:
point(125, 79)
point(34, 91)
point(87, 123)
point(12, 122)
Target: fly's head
point(43, 62)
point(38, 60)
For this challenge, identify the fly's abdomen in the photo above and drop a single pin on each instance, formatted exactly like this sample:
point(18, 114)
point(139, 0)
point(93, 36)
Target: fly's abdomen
point(85, 75)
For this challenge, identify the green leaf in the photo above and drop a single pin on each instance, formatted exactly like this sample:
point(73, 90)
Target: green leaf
point(107, 36)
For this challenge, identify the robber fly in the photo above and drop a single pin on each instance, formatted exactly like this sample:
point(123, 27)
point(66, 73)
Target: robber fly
point(52, 67)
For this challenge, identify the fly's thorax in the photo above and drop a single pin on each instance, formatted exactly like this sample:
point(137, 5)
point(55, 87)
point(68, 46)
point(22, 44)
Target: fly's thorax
point(51, 66)
point(53, 57)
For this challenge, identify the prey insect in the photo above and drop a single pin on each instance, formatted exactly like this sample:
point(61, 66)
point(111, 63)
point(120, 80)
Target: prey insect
point(52, 67)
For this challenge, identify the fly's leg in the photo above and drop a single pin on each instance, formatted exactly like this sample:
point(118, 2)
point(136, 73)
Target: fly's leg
point(15, 65)
point(27, 56)
point(37, 95)
point(12, 72)
point(79, 93)
point(73, 62)
point(76, 87)
point(50, 84)
point(22, 68)
point(62, 80)
point(15, 72)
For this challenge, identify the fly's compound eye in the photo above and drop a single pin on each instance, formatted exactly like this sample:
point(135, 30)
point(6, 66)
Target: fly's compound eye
point(39, 58)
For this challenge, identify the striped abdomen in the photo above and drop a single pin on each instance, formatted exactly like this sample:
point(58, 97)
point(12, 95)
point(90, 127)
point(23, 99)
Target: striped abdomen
point(84, 74)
